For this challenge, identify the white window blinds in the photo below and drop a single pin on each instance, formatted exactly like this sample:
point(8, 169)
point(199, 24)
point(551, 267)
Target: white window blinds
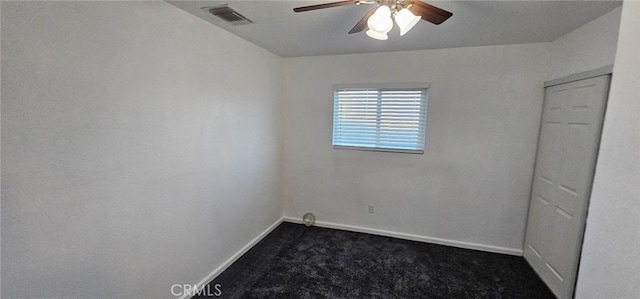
point(390, 119)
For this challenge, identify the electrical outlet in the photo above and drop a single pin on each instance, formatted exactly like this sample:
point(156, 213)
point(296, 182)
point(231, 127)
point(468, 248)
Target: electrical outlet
point(370, 210)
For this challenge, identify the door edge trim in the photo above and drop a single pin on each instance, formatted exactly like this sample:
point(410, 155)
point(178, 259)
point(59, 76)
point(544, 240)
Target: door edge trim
point(605, 70)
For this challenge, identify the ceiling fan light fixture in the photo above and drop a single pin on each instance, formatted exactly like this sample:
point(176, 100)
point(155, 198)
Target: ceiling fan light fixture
point(406, 20)
point(380, 19)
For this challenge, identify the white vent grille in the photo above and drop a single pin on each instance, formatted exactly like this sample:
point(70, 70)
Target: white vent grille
point(228, 14)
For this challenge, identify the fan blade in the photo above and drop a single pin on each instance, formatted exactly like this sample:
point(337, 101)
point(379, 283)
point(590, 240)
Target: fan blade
point(326, 5)
point(362, 24)
point(429, 13)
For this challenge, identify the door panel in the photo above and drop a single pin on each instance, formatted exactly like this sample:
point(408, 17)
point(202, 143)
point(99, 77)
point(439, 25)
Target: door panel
point(567, 150)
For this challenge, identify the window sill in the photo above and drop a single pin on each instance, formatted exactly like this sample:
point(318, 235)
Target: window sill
point(378, 149)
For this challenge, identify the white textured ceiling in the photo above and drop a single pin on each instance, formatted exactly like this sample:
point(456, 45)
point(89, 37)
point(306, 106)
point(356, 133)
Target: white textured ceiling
point(474, 23)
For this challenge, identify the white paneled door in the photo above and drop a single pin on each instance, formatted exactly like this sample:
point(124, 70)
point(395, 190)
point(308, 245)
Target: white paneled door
point(567, 150)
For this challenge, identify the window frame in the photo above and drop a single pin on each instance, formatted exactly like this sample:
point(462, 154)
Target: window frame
point(381, 87)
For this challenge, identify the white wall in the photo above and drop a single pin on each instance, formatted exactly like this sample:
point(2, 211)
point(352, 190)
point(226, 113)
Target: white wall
point(0, 155)
point(610, 264)
point(589, 47)
point(471, 184)
point(134, 135)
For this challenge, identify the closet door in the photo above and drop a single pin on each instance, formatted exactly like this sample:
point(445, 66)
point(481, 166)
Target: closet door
point(567, 150)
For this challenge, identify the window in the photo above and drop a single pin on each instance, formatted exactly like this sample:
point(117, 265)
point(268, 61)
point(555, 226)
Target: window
point(377, 117)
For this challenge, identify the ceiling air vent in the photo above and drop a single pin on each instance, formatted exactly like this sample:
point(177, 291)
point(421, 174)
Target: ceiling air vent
point(228, 14)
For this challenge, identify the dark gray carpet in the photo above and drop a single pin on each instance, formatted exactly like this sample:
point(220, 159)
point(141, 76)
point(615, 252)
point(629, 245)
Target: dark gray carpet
point(296, 261)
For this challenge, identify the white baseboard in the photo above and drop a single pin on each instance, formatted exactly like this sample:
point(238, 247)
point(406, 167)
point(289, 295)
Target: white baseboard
point(233, 258)
point(439, 241)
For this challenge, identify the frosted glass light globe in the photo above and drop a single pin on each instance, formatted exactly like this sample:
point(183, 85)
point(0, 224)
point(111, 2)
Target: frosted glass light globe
point(406, 20)
point(377, 35)
point(381, 21)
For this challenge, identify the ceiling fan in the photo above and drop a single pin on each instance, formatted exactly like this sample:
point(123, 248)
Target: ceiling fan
point(379, 19)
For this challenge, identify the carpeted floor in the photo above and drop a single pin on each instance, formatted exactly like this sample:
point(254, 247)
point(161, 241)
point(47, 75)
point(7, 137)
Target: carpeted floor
point(296, 261)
